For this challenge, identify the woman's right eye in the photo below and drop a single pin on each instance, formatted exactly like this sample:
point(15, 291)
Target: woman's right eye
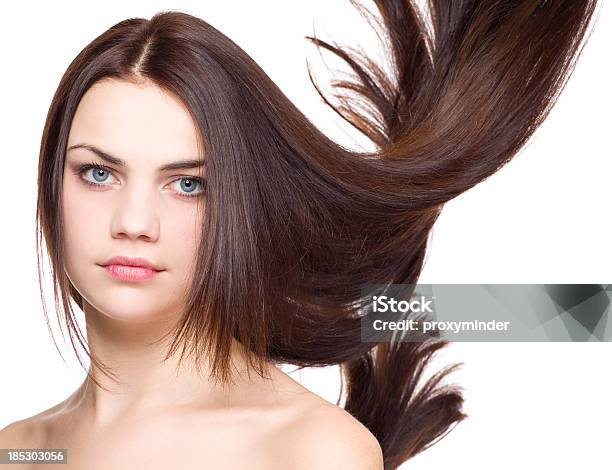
point(98, 177)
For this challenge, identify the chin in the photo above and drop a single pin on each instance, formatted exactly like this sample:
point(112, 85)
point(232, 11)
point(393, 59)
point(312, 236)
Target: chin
point(126, 308)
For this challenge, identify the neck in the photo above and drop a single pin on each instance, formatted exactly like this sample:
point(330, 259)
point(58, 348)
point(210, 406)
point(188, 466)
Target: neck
point(145, 382)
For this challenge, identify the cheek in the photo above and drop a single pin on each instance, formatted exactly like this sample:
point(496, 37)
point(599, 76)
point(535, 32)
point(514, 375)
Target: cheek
point(83, 224)
point(181, 235)
point(181, 231)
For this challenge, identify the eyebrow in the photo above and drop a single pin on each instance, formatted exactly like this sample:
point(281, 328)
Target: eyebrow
point(178, 165)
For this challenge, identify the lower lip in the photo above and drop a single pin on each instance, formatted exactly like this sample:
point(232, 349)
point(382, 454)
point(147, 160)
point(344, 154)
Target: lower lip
point(130, 273)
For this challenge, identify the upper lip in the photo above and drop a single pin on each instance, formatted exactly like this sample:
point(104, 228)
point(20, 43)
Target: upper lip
point(129, 261)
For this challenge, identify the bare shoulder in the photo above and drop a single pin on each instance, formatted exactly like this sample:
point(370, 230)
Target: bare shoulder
point(22, 433)
point(328, 437)
point(321, 435)
point(28, 432)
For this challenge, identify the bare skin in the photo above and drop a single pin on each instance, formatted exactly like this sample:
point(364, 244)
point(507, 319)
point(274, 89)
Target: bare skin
point(278, 424)
point(160, 416)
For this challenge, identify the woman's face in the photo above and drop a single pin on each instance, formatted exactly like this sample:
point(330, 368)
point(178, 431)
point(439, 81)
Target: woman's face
point(137, 208)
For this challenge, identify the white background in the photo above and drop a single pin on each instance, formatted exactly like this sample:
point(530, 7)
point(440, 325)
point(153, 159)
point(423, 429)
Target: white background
point(544, 218)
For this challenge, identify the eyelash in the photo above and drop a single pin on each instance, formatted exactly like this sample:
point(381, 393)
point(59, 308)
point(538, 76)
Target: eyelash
point(81, 169)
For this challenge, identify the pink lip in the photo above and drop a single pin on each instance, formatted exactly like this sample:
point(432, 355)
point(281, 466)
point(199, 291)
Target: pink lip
point(131, 269)
point(130, 273)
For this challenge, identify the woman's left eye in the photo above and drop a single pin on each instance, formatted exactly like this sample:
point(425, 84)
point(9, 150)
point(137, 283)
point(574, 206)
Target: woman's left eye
point(188, 186)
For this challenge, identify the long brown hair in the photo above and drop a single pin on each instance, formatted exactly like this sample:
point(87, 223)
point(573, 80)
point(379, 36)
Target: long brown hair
point(294, 222)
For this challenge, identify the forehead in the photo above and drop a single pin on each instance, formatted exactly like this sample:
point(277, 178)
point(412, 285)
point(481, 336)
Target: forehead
point(141, 123)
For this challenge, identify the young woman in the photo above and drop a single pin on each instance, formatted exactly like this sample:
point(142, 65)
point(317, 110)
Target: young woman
point(209, 232)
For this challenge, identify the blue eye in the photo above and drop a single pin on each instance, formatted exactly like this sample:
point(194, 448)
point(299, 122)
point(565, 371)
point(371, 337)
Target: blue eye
point(100, 174)
point(188, 184)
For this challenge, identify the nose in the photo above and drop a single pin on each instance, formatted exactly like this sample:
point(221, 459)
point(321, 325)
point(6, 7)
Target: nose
point(135, 216)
